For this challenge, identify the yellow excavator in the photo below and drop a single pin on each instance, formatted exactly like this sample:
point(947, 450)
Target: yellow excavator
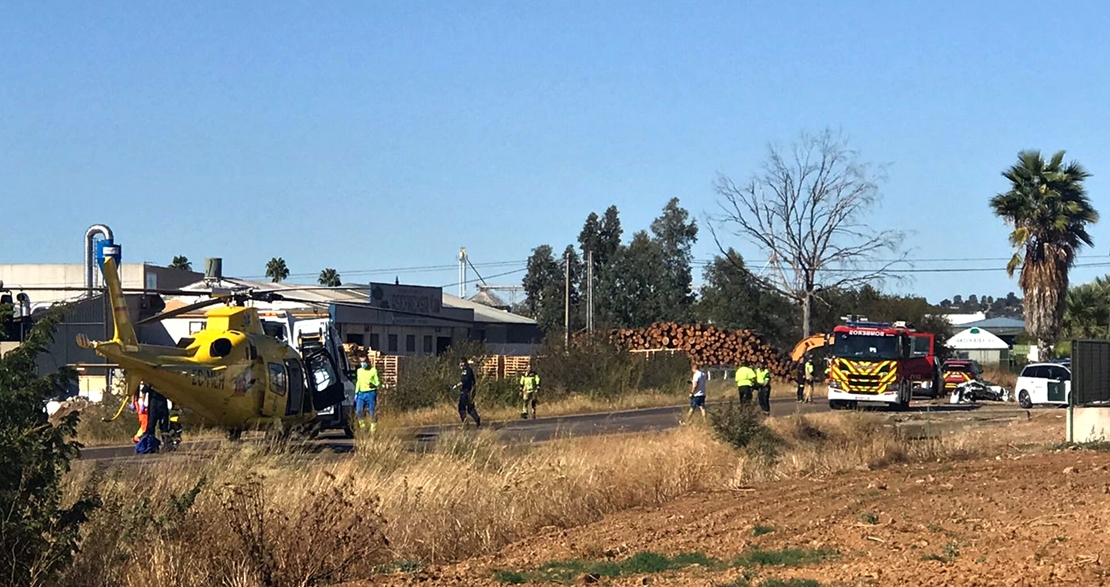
point(808, 344)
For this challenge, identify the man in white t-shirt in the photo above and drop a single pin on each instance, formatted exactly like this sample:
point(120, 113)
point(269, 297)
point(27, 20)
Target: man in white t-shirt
point(697, 390)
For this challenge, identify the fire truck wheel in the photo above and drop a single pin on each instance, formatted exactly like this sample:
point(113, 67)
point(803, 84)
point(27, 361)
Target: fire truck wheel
point(903, 397)
point(836, 404)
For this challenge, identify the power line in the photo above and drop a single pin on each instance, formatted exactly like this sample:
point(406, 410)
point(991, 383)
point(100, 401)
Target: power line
point(414, 269)
point(936, 260)
point(469, 281)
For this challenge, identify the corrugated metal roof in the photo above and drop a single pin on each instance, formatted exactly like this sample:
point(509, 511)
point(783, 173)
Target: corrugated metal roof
point(355, 293)
point(997, 323)
point(484, 313)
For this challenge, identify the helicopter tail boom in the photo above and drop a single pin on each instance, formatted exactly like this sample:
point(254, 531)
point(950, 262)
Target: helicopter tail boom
point(125, 331)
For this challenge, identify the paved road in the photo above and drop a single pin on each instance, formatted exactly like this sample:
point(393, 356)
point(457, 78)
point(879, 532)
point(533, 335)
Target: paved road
point(544, 429)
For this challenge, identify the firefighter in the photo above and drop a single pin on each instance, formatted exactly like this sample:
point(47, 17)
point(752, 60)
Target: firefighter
point(366, 393)
point(763, 388)
point(529, 387)
point(745, 379)
point(466, 393)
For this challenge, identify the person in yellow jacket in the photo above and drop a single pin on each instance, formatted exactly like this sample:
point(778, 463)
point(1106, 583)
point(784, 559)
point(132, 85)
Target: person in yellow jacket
point(811, 381)
point(529, 387)
point(763, 388)
point(366, 393)
point(745, 380)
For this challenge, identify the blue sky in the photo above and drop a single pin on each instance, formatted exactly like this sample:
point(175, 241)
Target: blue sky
point(378, 135)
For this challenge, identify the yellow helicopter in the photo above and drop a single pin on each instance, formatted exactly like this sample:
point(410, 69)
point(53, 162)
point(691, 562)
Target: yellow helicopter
point(231, 374)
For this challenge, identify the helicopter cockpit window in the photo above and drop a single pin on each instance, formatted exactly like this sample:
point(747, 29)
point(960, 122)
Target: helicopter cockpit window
point(277, 378)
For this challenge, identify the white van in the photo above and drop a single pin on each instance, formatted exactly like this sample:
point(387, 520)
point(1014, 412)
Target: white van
point(1044, 383)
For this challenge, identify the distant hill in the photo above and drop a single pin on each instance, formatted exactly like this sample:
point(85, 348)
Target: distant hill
point(1004, 307)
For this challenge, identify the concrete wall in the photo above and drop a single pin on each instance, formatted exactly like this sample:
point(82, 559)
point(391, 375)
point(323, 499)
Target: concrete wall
point(1089, 425)
point(132, 275)
point(989, 357)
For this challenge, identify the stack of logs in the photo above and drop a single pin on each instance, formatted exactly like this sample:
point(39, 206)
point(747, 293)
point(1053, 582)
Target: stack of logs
point(708, 345)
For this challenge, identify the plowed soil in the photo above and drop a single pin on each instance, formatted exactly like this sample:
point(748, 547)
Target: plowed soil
point(1023, 516)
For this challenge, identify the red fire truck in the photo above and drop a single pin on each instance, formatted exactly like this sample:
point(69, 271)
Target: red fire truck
point(879, 362)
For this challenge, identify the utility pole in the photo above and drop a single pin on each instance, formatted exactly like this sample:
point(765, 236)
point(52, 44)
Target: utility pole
point(462, 272)
point(590, 291)
point(566, 302)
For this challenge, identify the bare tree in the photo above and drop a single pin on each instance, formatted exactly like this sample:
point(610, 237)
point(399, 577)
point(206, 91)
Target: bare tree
point(807, 211)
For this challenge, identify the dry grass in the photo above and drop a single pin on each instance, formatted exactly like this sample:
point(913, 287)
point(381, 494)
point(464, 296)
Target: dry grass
point(471, 495)
point(815, 445)
point(999, 376)
point(446, 413)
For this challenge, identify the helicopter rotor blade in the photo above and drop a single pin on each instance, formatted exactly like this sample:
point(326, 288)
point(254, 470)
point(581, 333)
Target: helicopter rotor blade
point(182, 310)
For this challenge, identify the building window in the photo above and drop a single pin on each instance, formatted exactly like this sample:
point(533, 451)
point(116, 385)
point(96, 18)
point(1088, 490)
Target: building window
point(410, 343)
point(152, 281)
point(355, 339)
point(427, 344)
point(392, 343)
point(375, 342)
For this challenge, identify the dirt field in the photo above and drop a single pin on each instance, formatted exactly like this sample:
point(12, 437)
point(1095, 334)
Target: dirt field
point(1024, 516)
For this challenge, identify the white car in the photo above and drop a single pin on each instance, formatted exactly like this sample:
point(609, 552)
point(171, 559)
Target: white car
point(1043, 383)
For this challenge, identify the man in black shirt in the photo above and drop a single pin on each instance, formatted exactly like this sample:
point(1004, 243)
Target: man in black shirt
point(466, 393)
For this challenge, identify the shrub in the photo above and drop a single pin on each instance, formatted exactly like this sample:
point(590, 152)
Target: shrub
point(426, 381)
point(37, 535)
point(742, 426)
point(595, 367)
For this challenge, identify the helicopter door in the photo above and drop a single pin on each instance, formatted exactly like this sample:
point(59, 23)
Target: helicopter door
point(327, 386)
point(297, 397)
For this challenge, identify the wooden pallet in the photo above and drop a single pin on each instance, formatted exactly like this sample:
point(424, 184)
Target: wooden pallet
point(492, 366)
point(517, 366)
point(389, 368)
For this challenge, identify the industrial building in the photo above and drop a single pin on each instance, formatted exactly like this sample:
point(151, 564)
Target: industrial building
point(393, 319)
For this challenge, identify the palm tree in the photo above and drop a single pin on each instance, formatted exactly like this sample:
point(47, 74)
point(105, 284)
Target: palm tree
point(1049, 209)
point(181, 262)
point(1087, 313)
point(276, 269)
point(330, 278)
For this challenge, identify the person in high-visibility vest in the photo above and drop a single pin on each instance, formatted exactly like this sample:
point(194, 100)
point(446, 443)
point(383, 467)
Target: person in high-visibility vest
point(763, 387)
point(745, 379)
point(529, 387)
point(366, 393)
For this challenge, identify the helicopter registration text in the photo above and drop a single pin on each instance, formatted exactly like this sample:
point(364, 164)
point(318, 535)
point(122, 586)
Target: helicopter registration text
point(206, 378)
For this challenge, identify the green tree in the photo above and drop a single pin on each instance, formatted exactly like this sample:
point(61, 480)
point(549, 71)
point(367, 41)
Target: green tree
point(181, 262)
point(577, 274)
point(676, 235)
point(329, 277)
point(1048, 207)
point(37, 535)
point(544, 286)
point(1087, 310)
point(7, 311)
point(632, 292)
point(276, 269)
point(731, 299)
point(609, 236)
point(589, 239)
